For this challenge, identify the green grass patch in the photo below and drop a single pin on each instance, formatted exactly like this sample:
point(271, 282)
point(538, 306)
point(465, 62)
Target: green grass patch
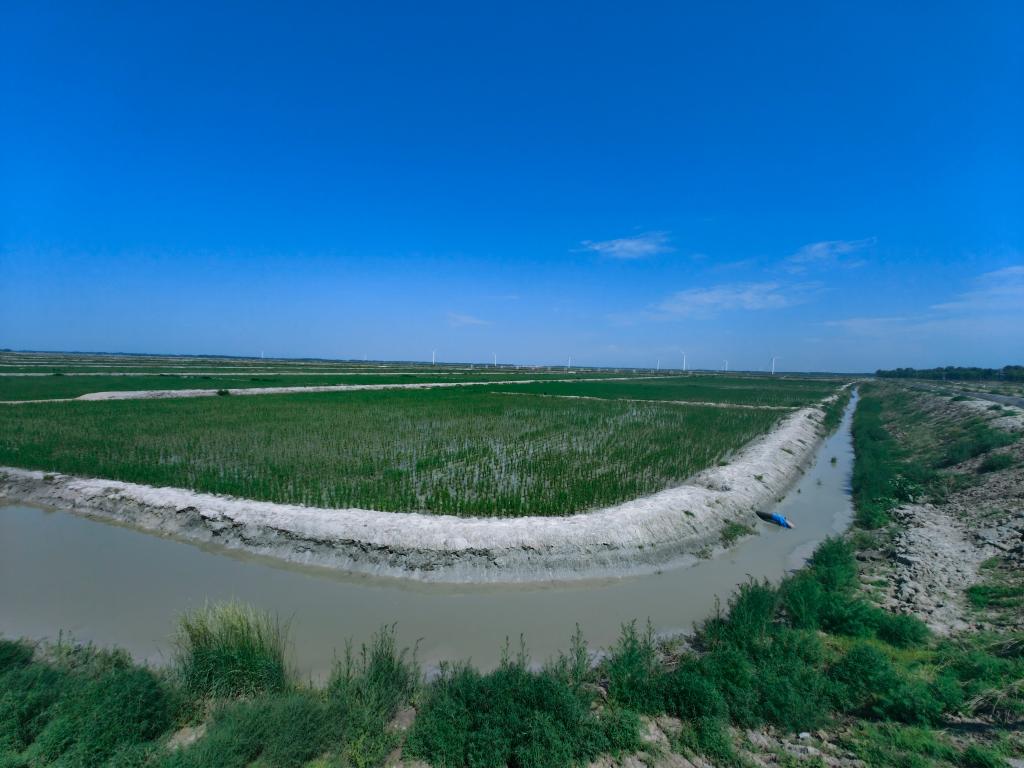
point(516, 716)
point(231, 649)
point(732, 531)
point(81, 707)
point(996, 595)
point(996, 463)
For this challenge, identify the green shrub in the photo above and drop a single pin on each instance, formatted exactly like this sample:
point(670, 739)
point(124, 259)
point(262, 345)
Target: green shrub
point(864, 673)
point(230, 649)
point(514, 716)
point(100, 714)
point(871, 516)
point(793, 692)
point(849, 616)
point(901, 630)
point(801, 596)
point(708, 736)
point(735, 678)
point(834, 565)
point(634, 672)
point(948, 691)
point(544, 743)
point(365, 692)
point(284, 731)
point(749, 619)
point(27, 696)
point(688, 695)
point(13, 654)
point(910, 701)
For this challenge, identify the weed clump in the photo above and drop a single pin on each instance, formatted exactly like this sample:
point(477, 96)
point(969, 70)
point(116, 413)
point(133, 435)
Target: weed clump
point(230, 650)
point(365, 692)
point(515, 716)
point(733, 531)
point(995, 463)
point(82, 708)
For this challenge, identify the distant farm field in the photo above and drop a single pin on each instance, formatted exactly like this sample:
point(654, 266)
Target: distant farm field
point(461, 452)
point(54, 386)
point(738, 390)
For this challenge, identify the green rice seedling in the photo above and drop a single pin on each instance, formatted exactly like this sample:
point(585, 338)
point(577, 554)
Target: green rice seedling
point(231, 649)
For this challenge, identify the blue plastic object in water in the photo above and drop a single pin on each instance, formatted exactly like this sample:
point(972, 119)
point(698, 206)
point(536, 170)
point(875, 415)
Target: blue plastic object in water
point(775, 517)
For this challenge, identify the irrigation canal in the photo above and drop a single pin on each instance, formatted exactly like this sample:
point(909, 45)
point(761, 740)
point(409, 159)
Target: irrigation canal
point(112, 585)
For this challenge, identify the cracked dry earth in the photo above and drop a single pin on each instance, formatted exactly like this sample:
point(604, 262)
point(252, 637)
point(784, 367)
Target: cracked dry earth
point(937, 553)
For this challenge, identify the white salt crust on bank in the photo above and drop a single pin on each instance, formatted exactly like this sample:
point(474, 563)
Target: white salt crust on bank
point(637, 535)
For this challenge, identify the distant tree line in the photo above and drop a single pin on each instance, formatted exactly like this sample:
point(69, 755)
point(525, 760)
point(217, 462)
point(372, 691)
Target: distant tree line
point(956, 373)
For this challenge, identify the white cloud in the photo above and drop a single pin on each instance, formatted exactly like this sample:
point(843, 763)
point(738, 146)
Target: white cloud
point(993, 306)
point(637, 247)
point(458, 320)
point(868, 326)
point(828, 253)
point(717, 298)
point(998, 290)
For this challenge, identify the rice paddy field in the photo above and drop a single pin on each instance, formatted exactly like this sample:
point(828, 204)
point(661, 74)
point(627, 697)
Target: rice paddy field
point(45, 377)
point(732, 390)
point(461, 452)
point(507, 449)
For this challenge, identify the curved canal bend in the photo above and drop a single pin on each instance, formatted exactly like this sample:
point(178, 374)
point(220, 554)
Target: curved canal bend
point(113, 585)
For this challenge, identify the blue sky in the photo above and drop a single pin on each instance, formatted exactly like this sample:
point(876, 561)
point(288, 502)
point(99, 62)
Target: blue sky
point(837, 184)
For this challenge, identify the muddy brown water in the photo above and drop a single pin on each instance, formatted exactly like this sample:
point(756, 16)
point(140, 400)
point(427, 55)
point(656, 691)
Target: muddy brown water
point(113, 585)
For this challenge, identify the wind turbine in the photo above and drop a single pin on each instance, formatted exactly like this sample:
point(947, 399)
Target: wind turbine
point(570, 363)
point(773, 364)
point(726, 365)
point(433, 357)
point(684, 362)
point(659, 364)
point(495, 359)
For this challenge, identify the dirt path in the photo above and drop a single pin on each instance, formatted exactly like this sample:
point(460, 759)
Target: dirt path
point(934, 562)
point(162, 394)
point(938, 549)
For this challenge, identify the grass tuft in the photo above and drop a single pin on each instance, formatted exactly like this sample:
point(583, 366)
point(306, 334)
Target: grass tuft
point(230, 650)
